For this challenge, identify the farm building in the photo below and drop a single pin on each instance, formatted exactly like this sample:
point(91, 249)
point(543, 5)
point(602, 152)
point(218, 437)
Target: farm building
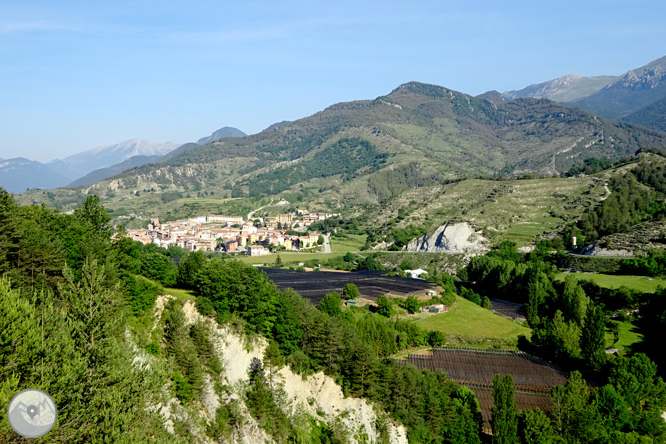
point(438, 308)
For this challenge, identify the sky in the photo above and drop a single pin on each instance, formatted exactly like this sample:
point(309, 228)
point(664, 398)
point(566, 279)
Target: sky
point(80, 74)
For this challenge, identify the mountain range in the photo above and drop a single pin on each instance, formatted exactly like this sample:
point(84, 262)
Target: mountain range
point(638, 96)
point(88, 167)
point(368, 151)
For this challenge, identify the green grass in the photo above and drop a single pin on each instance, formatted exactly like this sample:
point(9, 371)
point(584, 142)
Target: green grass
point(179, 293)
point(465, 318)
point(628, 336)
point(288, 257)
point(641, 283)
point(351, 242)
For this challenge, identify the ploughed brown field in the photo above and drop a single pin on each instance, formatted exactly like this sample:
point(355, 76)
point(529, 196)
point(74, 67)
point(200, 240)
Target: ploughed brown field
point(314, 285)
point(533, 378)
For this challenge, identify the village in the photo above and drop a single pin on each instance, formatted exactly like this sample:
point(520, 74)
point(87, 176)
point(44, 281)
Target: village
point(232, 234)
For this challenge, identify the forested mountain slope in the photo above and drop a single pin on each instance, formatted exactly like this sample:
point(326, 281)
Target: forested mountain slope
point(366, 151)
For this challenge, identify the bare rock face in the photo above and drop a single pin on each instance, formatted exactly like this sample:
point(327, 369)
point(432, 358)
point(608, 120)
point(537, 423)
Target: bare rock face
point(450, 238)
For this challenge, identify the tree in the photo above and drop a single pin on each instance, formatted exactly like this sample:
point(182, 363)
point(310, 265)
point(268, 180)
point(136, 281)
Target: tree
point(537, 290)
point(320, 240)
point(563, 338)
point(411, 304)
point(350, 291)
point(348, 257)
point(534, 427)
point(93, 213)
point(331, 304)
point(273, 360)
point(369, 263)
point(574, 301)
point(592, 341)
point(569, 401)
point(504, 421)
point(384, 306)
point(188, 269)
point(278, 261)
point(636, 380)
point(234, 287)
point(485, 303)
point(158, 267)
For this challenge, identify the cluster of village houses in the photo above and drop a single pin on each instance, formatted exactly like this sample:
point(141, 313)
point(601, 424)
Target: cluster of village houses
point(232, 233)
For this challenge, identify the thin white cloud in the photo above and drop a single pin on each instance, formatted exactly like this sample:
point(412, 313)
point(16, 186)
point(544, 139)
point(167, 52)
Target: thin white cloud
point(224, 36)
point(27, 27)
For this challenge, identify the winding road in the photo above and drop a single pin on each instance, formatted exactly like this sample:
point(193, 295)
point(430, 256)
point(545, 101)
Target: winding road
point(250, 215)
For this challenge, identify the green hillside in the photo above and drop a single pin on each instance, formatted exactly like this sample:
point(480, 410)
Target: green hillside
point(653, 116)
point(467, 320)
point(418, 140)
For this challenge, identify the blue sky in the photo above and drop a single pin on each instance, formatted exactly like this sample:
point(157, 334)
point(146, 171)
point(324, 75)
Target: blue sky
point(79, 74)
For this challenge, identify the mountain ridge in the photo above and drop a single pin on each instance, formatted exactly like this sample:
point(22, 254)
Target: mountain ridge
point(563, 89)
point(631, 92)
point(366, 151)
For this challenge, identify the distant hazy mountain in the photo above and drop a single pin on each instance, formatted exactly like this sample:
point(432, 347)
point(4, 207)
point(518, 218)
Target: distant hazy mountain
point(563, 89)
point(19, 174)
point(227, 131)
point(629, 93)
point(80, 164)
point(118, 168)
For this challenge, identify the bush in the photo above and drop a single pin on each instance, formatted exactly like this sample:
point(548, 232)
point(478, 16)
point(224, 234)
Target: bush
point(331, 304)
point(384, 306)
point(411, 304)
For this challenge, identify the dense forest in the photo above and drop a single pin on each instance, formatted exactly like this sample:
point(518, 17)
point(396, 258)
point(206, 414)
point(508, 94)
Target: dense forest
point(72, 288)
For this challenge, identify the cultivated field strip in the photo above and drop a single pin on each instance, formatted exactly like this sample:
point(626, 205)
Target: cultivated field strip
point(480, 367)
point(371, 284)
point(524, 401)
point(533, 378)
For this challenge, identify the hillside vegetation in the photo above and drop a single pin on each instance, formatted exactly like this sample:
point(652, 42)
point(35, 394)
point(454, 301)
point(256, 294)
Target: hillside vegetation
point(367, 151)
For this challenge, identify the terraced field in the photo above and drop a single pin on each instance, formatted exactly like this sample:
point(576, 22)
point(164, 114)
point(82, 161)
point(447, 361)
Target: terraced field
point(520, 210)
point(533, 378)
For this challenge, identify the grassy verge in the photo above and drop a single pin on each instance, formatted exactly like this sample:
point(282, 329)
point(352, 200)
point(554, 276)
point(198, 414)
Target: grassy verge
point(179, 293)
point(349, 242)
point(467, 320)
point(628, 336)
point(644, 284)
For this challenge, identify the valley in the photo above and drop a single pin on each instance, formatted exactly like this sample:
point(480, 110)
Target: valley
point(261, 285)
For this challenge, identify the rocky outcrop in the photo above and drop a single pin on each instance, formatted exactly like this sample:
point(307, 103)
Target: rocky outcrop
point(596, 250)
point(450, 238)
